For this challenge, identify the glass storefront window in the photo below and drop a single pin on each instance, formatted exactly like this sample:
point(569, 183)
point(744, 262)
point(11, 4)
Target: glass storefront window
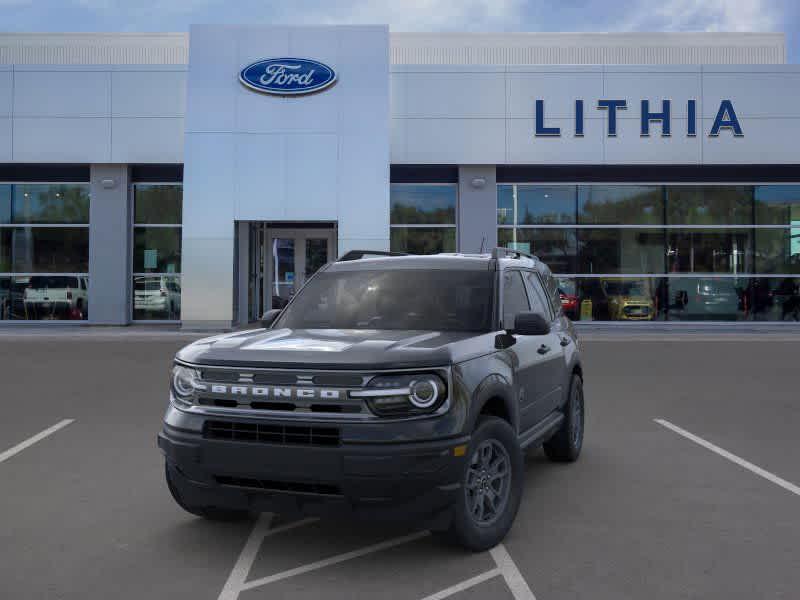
point(44, 204)
point(778, 250)
point(557, 247)
point(156, 297)
point(778, 205)
point(615, 299)
point(535, 204)
point(423, 204)
point(44, 251)
point(620, 251)
point(423, 240)
point(710, 251)
point(158, 204)
point(157, 250)
point(709, 299)
point(776, 299)
point(413, 205)
point(620, 204)
point(157, 214)
point(709, 205)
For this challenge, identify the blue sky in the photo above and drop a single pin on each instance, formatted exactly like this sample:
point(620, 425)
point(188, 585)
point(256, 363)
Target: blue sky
point(414, 15)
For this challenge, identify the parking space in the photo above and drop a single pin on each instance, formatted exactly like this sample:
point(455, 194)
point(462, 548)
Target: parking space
point(646, 512)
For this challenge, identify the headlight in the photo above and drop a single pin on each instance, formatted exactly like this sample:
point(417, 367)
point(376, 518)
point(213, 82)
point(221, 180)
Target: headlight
point(184, 383)
point(403, 395)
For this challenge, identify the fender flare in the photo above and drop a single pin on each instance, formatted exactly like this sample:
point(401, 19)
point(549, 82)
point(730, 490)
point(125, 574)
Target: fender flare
point(494, 386)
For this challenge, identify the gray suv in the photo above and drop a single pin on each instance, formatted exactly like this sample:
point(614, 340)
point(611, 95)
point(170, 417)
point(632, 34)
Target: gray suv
point(401, 387)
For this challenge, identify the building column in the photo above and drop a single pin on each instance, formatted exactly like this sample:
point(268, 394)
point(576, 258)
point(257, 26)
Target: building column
point(109, 245)
point(477, 208)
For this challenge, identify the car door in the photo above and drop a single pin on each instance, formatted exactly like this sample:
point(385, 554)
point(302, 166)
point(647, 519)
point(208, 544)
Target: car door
point(550, 371)
point(526, 359)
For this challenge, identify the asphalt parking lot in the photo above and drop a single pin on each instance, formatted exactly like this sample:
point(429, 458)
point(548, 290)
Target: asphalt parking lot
point(702, 503)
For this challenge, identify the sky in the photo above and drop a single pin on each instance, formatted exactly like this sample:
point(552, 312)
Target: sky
point(414, 15)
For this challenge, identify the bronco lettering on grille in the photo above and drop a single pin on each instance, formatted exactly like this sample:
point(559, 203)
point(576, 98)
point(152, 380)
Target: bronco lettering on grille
point(304, 393)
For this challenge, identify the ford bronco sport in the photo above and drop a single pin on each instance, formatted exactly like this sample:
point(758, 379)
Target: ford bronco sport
point(396, 386)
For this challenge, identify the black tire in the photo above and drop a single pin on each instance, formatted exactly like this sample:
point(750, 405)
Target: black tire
point(468, 529)
point(212, 513)
point(566, 443)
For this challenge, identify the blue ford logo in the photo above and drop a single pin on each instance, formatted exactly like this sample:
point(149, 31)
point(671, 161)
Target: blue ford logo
point(287, 76)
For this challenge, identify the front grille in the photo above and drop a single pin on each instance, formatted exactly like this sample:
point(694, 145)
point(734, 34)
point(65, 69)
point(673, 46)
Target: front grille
point(297, 487)
point(637, 310)
point(261, 378)
point(352, 407)
point(271, 433)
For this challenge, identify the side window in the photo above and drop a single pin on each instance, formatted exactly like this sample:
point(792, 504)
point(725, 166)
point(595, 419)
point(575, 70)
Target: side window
point(539, 301)
point(551, 286)
point(515, 300)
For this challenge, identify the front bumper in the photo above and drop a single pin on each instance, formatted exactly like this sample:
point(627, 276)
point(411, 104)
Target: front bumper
point(383, 480)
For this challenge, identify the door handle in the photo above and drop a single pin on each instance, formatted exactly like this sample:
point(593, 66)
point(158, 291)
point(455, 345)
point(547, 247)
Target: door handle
point(565, 341)
point(543, 349)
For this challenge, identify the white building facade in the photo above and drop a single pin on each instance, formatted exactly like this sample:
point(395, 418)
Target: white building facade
point(143, 179)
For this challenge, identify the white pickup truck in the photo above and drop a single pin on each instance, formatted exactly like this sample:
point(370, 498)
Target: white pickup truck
point(56, 296)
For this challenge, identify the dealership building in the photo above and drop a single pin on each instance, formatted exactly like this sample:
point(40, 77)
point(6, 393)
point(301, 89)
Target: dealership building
point(200, 178)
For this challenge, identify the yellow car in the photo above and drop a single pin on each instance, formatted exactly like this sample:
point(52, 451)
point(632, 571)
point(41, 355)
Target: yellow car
point(628, 299)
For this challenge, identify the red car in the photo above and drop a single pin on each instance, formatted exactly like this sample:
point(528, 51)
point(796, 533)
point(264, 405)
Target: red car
point(569, 297)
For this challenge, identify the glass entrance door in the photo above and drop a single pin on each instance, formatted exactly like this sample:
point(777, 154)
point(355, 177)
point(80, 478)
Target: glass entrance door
point(291, 257)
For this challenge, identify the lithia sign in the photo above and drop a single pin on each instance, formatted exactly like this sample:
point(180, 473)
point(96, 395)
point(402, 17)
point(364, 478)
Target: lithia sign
point(726, 119)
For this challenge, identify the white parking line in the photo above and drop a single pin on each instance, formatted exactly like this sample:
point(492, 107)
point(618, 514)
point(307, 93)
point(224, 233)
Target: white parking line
point(464, 585)
point(4, 456)
point(237, 580)
point(241, 569)
point(508, 569)
point(731, 457)
point(334, 560)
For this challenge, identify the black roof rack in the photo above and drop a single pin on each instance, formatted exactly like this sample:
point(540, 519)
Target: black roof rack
point(510, 253)
point(358, 254)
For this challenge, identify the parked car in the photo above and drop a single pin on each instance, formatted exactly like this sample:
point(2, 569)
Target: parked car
point(156, 295)
point(403, 387)
point(56, 297)
point(568, 295)
point(628, 299)
point(5, 298)
point(706, 298)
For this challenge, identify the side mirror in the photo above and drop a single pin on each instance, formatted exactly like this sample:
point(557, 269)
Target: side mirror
point(530, 323)
point(269, 317)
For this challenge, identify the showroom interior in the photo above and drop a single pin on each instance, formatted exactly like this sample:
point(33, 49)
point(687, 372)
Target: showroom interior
point(139, 196)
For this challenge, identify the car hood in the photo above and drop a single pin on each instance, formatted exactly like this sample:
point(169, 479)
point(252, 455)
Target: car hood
point(335, 348)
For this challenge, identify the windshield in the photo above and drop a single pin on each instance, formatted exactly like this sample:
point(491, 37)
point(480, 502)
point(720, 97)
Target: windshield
point(395, 299)
point(626, 288)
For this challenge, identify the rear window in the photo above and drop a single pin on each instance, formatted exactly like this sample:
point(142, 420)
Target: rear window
point(55, 281)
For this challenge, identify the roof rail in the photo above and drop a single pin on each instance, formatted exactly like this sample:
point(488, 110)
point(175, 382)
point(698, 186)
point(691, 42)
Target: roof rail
point(358, 254)
point(511, 253)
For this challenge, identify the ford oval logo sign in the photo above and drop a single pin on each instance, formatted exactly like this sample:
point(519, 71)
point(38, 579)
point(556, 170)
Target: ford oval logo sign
point(287, 76)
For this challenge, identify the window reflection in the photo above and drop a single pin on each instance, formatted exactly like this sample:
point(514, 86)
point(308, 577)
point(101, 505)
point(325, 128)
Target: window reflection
point(423, 204)
point(620, 204)
point(157, 213)
point(44, 203)
point(621, 250)
point(709, 205)
point(44, 297)
point(777, 205)
point(557, 247)
point(710, 251)
point(422, 240)
point(156, 297)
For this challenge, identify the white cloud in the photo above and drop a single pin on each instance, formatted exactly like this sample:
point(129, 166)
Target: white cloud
point(416, 15)
point(705, 15)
